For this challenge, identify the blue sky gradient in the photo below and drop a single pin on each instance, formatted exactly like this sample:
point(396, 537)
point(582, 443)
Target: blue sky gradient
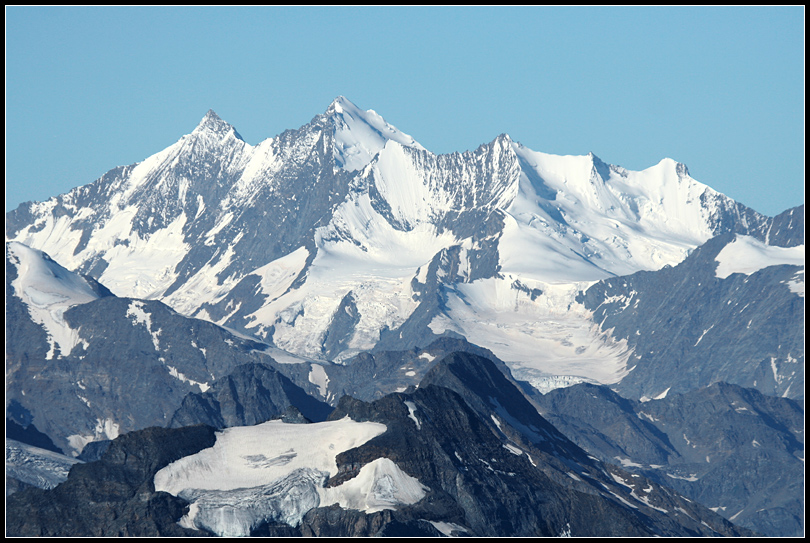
point(719, 89)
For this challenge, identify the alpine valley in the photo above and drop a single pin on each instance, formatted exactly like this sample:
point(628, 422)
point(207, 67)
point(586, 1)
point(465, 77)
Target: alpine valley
point(336, 332)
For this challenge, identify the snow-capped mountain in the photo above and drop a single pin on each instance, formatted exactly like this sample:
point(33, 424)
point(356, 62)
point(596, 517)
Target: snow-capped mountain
point(84, 365)
point(733, 449)
point(732, 311)
point(342, 265)
point(347, 235)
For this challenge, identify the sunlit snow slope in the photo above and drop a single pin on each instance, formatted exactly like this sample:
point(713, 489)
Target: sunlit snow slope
point(48, 290)
point(346, 234)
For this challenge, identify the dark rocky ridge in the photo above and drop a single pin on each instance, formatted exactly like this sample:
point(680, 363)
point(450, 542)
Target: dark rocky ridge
point(114, 496)
point(462, 456)
point(728, 447)
point(689, 329)
point(476, 484)
point(251, 394)
point(118, 374)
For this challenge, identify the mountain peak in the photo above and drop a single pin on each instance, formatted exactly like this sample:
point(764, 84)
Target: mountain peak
point(671, 164)
point(340, 104)
point(361, 134)
point(212, 122)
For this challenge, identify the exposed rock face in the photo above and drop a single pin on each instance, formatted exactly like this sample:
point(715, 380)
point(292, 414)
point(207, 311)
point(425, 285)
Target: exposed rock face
point(506, 474)
point(114, 496)
point(493, 485)
point(128, 364)
point(27, 433)
point(689, 328)
point(121, 381)
point(252, 394)
point(372, 375)
point(733, 449)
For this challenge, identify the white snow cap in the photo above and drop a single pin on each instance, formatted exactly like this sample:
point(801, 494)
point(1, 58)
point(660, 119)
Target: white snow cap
point(212, 122)
point(360, 135)
point(48, 290)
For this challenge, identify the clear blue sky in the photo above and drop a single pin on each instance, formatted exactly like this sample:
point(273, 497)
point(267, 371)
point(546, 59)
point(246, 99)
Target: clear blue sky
point(719, 89)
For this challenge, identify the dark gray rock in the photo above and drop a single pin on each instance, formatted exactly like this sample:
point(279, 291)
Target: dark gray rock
point(479, 480)
point(29, 435)
point(689, 329)
point(730, 448)
point(341, 327)
point(114, 496)
point(545, 487)
point(252, 394)
point(124, 374)
point(371, 375)
point(94, 450)
point(786, 229)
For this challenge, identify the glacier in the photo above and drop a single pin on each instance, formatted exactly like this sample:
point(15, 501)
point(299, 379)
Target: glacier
point(276, 472)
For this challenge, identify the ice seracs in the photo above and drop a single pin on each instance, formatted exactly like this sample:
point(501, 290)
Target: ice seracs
point(276, 472)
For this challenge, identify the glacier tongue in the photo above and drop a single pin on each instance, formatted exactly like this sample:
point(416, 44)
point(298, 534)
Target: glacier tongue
point(381, 484)
point(37, 467)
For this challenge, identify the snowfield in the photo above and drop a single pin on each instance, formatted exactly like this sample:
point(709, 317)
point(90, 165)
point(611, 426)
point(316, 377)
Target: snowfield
point(48, 290)
point(277, 472)
point(748, 255)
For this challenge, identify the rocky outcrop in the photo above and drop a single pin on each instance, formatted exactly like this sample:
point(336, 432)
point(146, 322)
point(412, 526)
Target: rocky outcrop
point(689, 328)
point(494, 486)
point(482, 472)
point(114, 496)
point(252, 394)
point(730, 448)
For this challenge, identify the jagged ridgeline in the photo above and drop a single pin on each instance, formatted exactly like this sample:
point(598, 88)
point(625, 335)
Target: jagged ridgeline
point(346, 234)
point(422, 300)
point(472, 459)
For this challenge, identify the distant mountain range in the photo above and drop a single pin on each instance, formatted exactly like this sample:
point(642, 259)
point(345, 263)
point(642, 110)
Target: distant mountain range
point(341, 269)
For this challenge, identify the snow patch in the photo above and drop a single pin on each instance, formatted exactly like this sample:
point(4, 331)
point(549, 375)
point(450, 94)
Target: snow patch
point(319, 378)
point(179, 376)
point(140, 316)
point(411, 415)
point(104, 429)
point(796, 283)
point(447, 528)
point(381, 484)
point(748, 255)
point(626, 462)
point(692, 477)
